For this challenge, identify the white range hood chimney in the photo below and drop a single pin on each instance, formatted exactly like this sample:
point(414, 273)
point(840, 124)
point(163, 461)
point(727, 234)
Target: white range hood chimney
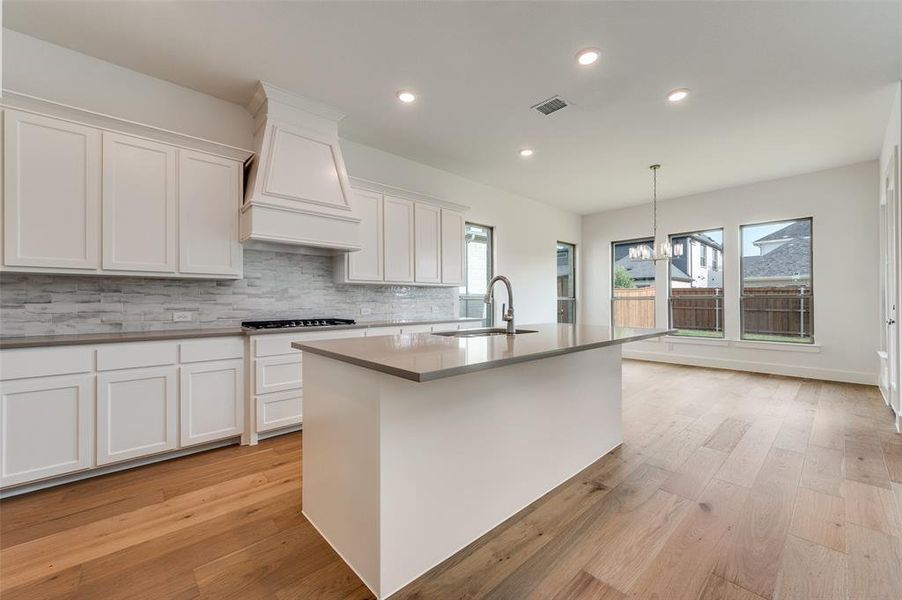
point(298, 191)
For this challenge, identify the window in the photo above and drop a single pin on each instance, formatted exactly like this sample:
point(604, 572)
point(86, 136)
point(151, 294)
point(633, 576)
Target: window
point(566, 283)
point(696, 284)
point(777, 293)
point(633, 287)
point(479, 270)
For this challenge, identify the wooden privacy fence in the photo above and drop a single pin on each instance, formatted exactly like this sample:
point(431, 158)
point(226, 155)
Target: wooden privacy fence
point(766, 310)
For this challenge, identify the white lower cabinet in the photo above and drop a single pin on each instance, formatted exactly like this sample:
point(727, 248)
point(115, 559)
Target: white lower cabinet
point(46, 427)
point(137, 413)
point(211, 401)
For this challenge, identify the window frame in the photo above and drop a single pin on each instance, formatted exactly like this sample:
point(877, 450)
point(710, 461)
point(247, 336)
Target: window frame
point(742, 296)
point(489, 319)
point(654, 300)
point(571, 299)
point(723, 286)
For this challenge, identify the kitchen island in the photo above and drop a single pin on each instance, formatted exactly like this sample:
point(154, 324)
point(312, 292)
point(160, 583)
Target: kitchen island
point(416, 445)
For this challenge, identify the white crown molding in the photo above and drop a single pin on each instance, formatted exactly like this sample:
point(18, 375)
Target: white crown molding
point(266, 92)
point(381, 188)
point(17, 101)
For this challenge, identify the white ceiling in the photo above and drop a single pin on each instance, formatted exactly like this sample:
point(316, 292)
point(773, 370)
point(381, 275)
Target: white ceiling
point(778, 88)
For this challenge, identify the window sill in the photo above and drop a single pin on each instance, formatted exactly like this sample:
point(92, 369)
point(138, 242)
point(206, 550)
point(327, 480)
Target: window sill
point(696, 341)
point(782, 346)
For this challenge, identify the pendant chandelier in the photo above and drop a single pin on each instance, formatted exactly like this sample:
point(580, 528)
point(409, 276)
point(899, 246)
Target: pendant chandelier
point(656, 252)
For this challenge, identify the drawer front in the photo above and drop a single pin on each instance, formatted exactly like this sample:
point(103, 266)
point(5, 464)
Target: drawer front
point(448, 326)
point(275, 344)
point(277, 373)
point(376, 331)
point(212, 349)
point(416, 329)
point(38, 362)
point(136, 355)
point(281, 409)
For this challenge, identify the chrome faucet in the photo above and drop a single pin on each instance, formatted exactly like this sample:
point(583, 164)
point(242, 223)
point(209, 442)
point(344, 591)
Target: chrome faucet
point(507, 312)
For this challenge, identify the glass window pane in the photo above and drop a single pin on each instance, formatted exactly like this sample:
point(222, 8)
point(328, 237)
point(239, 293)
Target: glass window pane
point(696, 284)
point(633, 287)
point(478, 272)
point(777, 292)
point(566, 282)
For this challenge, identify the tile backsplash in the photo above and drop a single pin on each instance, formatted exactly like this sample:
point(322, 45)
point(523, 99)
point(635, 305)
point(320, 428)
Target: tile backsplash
point(275, 285)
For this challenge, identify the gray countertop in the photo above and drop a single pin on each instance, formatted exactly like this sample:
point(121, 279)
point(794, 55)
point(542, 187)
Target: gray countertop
point(425, 356)
point(37, 341)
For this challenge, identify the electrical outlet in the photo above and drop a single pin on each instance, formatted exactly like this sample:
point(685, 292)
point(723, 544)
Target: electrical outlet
point(366, 310)
point(181, 317)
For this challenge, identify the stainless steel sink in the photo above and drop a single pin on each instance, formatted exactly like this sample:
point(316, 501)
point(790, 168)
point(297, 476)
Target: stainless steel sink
point(481, 332)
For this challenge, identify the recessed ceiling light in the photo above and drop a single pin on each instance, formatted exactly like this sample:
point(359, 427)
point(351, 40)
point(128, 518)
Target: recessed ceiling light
point(678, 95)
point(406, 96)
point(588, 56)
point(526, 152)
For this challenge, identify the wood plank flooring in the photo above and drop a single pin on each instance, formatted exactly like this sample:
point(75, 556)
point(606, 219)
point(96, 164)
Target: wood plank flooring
point(728, 486)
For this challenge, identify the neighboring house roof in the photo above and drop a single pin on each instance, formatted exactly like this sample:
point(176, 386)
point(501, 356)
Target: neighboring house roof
point(645, 269)
point(702, 238)
point(798, 229)
point(792, 259)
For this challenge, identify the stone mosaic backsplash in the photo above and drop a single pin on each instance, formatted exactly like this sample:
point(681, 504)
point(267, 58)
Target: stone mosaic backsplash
point(275, 285)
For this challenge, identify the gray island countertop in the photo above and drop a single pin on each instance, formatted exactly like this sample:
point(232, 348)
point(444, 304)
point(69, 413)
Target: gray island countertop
point(425, 357)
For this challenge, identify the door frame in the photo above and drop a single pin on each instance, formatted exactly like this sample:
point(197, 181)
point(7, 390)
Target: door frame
point(890, 262)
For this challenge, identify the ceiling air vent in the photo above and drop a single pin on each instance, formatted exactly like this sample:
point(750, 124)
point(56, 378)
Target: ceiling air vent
point(553, 104)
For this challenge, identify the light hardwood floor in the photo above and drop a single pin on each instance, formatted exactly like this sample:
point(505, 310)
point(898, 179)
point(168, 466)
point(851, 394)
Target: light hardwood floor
point(728, 486)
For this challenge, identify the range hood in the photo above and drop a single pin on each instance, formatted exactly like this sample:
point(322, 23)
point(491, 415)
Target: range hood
point(298, 191)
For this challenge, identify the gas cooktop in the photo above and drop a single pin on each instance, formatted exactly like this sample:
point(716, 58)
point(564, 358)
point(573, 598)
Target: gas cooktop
point(292, 323)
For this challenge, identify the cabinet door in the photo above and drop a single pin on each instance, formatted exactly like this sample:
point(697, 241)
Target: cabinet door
point(366, 263)
point(453, 247)
point(45, 427)
point(51, 188)
point(211, 401)
point(428, 231)
point(398, 232)
point(136, 413)
point(139, 205)
point(209, 199)
point(278, 373)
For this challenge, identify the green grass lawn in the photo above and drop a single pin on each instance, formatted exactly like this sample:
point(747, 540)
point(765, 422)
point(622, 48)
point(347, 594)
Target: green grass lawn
point(698, 333)
point(764, 337)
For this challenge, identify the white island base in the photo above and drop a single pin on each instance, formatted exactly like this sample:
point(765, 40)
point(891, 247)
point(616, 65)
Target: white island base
point(400, 475)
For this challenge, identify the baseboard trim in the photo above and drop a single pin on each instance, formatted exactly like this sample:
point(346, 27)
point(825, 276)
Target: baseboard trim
point(754, 367)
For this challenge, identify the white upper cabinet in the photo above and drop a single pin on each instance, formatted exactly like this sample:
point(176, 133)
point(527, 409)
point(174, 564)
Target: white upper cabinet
point(366, 264)
point(209, 195)
point(399, 236)
point(51, 192)
point(139, 205)
point(427, 237)
point(104, 196)
point(453, 247)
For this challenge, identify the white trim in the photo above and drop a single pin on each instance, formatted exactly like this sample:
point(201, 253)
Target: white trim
point(697, 341)
point(33, 104)
point(113, 468)
point(781, 346)
point(389, 190)
point(754, 367)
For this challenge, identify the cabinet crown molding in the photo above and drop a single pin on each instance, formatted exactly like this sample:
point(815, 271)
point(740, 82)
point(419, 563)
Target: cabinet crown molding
point(359, 183)
point(18, 101)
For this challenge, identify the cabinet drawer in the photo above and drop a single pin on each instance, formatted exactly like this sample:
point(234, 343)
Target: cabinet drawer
point(37, 362)
point(136, 354)
point(279, 410)
point(275, 344)
point(416, 329)
point(212, 349)
point(375, 331)
point(277, 373)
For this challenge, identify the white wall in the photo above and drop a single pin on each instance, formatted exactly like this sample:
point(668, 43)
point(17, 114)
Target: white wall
point(525, 230)
point(842, 202)
point(37, 68)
